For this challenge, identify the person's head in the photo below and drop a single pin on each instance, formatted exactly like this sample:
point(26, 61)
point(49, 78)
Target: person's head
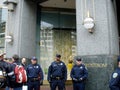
point(70, 61)
point(33, 60)
point(118, 61)
point(23, 60)
point(58, 57)
point(78, 61)
point(15, 57)
point(2, 56)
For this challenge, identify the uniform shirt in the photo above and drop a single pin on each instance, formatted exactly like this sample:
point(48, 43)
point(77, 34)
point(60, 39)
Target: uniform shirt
point(34, 71)
point(78, 72)
point(57, 69)
point(115, 80)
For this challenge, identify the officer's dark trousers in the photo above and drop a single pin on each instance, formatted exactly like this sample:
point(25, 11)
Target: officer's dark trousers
point(78, 86)
point(33, 85)
point(57, 83)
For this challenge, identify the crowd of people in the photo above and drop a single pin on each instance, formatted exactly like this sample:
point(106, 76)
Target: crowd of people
point(57, 74)
point(33, 70)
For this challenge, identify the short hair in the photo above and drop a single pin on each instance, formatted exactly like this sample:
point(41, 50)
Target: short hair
point(15, 57)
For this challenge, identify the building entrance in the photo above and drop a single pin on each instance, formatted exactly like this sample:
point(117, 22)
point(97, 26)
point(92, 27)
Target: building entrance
point(57, 36)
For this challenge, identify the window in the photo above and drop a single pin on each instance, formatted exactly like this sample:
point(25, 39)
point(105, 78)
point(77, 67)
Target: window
point(3, 20)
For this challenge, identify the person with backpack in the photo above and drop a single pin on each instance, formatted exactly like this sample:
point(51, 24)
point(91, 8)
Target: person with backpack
point(13, 83)
point(35, 75)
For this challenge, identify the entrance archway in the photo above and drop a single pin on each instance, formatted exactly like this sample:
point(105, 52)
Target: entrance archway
point(57, 31)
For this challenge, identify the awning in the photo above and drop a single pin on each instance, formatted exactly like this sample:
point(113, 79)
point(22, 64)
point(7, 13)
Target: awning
point(38, 1)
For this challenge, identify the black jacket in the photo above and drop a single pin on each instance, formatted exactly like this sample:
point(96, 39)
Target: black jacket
point(12, 79)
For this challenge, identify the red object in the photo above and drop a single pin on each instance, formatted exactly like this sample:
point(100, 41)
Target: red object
point(20, 74)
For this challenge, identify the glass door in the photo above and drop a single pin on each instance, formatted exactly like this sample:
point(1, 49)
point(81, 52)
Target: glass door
point(57, 36)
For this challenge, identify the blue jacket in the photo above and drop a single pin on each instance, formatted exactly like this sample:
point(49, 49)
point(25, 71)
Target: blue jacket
point(115, 80)
point(79, 72)
point(57, 69)
point(34, 71)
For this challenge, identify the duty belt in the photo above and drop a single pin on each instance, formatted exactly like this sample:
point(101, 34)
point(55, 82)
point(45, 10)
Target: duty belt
point(57, 78)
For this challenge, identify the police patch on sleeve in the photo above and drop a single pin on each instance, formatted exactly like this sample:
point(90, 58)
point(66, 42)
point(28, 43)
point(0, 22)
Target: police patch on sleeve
point(115, 75)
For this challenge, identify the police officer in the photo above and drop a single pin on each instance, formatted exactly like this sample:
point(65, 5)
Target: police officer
point(57, 74)
point(79, 74)
point(35, 75)
point(115, 78)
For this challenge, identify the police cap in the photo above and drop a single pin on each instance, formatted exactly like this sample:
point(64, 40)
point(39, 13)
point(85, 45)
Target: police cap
point(34, 58)
point(79, 59)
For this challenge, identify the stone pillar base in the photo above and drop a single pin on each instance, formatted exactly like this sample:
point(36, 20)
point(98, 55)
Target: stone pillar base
point(99, 69)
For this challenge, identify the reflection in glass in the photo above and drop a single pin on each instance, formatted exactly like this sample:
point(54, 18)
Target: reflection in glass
point(3, 20)
point(57, 36)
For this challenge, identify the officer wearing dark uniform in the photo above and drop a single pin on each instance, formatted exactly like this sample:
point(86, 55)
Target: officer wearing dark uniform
point(35, 75)
point(115, 78)
point(79, 74)
point(57, 74)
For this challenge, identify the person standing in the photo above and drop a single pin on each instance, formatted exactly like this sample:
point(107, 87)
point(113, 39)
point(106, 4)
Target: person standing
point(79, 74)
point(57, 74)
point(115, 78)
point(13, 83)
point(34, 74)
point(3, 69)
point(23, 62)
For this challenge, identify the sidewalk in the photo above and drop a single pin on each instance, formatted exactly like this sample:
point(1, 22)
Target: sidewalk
point(46, 87)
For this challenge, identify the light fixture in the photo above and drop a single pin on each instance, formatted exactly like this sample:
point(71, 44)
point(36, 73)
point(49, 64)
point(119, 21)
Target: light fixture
point(9, 39)
point(10, 4)
point(89, 23)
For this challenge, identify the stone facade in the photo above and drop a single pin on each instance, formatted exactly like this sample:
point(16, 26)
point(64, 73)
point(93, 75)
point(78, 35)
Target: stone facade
point(98, 50)
point(22, 26)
